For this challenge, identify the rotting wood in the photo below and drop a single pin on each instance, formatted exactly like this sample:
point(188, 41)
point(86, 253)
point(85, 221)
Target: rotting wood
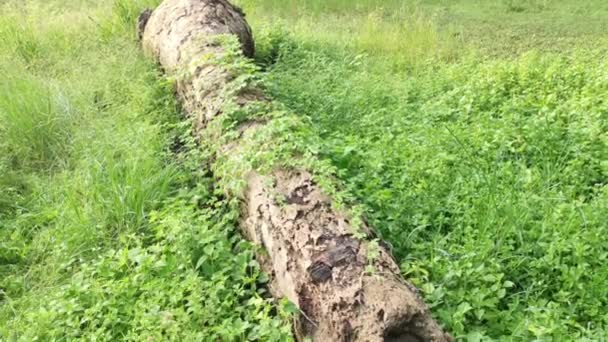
point(310, 252)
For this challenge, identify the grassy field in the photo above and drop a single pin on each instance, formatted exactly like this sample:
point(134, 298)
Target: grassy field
point(105, 233)
point(403, 33)
point(475, 133)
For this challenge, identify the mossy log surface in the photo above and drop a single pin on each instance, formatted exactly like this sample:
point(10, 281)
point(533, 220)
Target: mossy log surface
point(310, 252)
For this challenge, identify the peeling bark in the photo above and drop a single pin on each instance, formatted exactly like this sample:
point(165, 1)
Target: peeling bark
point(310, 251)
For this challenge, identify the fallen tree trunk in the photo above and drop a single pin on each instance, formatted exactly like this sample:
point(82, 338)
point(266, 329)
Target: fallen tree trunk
point(347, 286)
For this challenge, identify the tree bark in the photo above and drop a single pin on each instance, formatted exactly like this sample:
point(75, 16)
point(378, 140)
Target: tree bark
point(311, 255)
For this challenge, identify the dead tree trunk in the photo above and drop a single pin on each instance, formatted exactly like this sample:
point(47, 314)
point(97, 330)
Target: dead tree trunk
point(310, 251)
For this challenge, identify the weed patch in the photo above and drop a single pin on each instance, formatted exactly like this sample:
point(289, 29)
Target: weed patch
point(487, 177)
point(105, 233)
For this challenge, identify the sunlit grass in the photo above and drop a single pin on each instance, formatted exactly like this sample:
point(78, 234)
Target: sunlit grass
point(402, 33)
point(407, 32)
point(483, 164)
point(103, 234)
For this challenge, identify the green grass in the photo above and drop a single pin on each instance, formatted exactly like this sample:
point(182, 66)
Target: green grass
point(481, 160)
point(105, 232)
point(403, 33)
point(473, 132)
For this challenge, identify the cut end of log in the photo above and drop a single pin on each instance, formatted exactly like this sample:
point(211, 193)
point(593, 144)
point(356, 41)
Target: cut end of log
point(311, 254)
point(181, 31)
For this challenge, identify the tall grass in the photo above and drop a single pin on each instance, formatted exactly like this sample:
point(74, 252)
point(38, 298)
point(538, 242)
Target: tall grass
point(104, 235)
point(397, 31)
point(81, 159)
point(407, 33)
point(408, 39)
point(35, 123)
